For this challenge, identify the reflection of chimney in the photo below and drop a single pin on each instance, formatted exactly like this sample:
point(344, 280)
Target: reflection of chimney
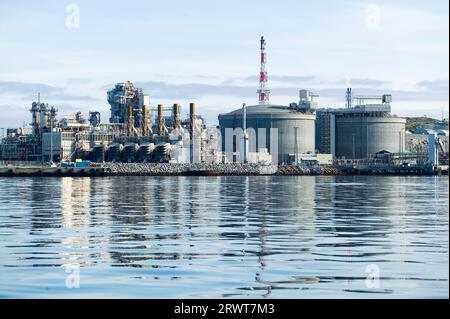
point(176, 116)
point(161, 125)
point(191, 129)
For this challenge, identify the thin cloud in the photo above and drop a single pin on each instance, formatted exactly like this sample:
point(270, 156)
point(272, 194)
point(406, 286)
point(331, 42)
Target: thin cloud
point(283, 78)
point(77, 81)
point(10, 87)
point(193, 90)
point(435, 85)
point(363, 82)
point(62, 97)
point(10, 107)
point(29, 91)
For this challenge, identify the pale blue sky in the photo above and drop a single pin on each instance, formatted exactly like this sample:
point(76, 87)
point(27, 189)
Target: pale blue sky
point(207, 52)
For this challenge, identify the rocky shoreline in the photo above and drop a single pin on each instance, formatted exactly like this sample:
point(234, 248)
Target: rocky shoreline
point(204, 169)
point(166, 169)
point(142, 169)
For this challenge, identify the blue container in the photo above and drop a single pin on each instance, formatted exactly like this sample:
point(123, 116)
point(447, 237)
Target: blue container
point(82, 164)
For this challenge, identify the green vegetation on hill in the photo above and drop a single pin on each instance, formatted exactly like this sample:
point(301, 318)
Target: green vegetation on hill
point(412, 123)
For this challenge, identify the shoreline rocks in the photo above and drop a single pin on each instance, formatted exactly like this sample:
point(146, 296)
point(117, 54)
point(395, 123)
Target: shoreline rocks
point(167, 169)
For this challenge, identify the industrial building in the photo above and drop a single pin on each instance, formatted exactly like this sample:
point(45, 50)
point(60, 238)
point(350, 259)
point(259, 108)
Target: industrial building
point(132, 135)
point(362, 130)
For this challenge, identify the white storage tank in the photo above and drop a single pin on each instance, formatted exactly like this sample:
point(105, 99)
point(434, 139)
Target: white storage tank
point(295, 130)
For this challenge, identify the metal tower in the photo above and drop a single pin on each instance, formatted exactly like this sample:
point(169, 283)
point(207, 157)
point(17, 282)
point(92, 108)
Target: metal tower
point(263, 91)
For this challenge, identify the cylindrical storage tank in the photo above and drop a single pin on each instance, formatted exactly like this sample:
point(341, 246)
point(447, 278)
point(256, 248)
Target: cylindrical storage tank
point(361, 137)
point(295, 130)
point(115, 152)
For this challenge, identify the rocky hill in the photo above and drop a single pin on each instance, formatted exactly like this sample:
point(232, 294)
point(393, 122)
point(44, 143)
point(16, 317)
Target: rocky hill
point(412, 123)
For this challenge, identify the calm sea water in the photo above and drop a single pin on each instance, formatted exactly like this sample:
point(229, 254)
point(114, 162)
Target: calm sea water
point(214, 237)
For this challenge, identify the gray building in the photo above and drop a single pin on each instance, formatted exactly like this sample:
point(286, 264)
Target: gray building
point(57, 145)
point(325, 131)
point(294, 130)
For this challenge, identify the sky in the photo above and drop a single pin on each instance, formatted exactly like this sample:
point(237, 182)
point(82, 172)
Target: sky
point(207, 52)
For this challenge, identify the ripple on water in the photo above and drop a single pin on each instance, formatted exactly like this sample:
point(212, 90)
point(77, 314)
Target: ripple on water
point(233, 237)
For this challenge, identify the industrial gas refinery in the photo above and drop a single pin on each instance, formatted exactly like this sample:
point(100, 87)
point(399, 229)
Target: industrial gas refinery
point(293, 138)
point(130, 135)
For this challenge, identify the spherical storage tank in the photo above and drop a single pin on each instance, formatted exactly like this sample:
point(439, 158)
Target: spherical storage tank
point(295, 129)
point(361, 137)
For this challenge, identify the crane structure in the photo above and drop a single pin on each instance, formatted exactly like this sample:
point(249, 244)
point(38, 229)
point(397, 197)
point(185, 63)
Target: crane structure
point(263, 91)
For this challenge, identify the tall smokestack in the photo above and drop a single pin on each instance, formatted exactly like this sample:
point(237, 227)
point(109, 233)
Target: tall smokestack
point(348, 98)
point(129, 120)
point(161, 130)
point(263, 91)
point(146, 130)
point(176, 116)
